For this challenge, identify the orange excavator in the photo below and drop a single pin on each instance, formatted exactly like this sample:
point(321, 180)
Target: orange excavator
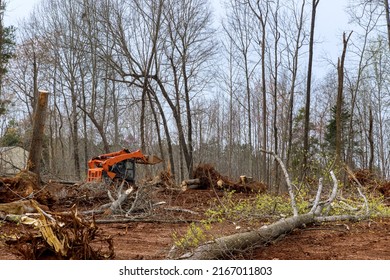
point(117, 165)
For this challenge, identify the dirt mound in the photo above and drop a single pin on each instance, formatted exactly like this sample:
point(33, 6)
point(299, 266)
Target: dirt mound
point(24, 185)
point(334, 241)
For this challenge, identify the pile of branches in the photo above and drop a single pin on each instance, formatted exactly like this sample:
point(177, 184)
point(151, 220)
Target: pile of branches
point(62, 236)
point(85, 195)
point(370, 181)
point(364, 176)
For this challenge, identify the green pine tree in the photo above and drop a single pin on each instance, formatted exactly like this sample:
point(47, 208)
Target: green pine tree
point(330, 134)
point(7, 51)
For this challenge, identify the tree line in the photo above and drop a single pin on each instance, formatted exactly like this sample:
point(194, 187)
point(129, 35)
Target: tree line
point(171, 78)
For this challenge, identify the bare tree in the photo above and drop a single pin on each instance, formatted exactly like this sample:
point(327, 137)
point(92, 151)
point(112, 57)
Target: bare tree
point(189, 47)
point(387, 8)
point(340, 99)
point(367, 26)
point(239, 30)
point(306, 143)
point(275, 77)
point(261, 13)
point(377, 106)
point(294, 47)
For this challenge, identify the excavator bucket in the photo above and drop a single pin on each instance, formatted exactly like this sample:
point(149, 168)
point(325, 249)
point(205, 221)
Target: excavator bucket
point(152, 159)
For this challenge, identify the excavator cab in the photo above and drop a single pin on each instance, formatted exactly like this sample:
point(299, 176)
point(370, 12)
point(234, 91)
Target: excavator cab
point(124, 170)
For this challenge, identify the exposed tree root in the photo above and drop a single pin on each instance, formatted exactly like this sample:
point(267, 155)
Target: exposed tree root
point(61, 237)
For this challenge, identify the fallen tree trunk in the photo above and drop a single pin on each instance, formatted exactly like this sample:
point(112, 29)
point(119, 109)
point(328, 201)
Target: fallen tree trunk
point(191, 182)
point(116, 204)
point(228, 245)
point(21, 207)
point(144, 220)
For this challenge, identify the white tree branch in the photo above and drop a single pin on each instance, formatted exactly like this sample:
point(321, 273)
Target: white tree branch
point(333, 195)
point(359, 188)
point(318, 196)
point(288, 181)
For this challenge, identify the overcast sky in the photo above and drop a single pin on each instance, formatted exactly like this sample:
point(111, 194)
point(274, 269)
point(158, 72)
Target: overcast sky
point(331, 22)
point(17, 9)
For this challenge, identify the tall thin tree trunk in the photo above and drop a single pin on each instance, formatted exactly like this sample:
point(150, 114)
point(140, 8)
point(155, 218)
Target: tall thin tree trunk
point(35, 82)
point(339, 109)
point(275, 125)
point(157, 124)
point(231, 117)
point(275, 93)
point(371, 139)
point(386, 3)
point(115, 112)
point(264, 172)
point(1, 44)
point(293, 81)
point(75, 134)
point(167, 135)
point(306, 144)
point(84, 121)
point(190, 148)
point(340, 101)
point(261, 14)
point(249, 112)
point(142, 117)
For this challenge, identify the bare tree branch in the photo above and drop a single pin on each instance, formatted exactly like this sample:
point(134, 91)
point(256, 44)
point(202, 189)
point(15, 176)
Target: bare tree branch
point(288, 181)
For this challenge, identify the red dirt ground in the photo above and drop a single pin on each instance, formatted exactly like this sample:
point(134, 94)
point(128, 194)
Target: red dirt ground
point(153, 239)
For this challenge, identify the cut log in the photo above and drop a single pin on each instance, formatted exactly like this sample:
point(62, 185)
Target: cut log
point(194, 187)
point(245, 180)
point(115, 205)
point(20, 207)
point(189, 182)
point(23, 219)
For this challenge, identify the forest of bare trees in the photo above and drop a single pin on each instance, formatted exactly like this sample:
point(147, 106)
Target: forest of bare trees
point(171, 78)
